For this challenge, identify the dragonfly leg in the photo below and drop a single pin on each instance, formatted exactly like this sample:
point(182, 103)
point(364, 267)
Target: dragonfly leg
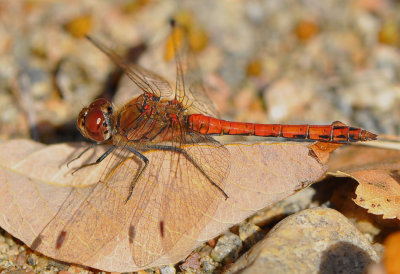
point(175, 149)
point(83, 152)
point(139, 174)
point(101, 158)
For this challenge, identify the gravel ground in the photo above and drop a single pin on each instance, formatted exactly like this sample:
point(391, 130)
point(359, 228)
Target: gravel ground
point(274, 61)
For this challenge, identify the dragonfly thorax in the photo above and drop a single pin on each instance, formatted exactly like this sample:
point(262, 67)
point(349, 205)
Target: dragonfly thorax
point(148, 118)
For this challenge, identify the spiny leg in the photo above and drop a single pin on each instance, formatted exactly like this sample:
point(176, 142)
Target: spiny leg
point(139, 174)
point(83, 152)
point(101, 158)
point(175, 149)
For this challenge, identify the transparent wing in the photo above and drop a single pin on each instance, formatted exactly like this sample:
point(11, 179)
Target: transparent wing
point(146, 80)
point(90, 218)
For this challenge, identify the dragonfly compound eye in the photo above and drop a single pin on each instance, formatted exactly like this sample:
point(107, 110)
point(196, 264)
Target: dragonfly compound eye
point(95, 126)
point(94, 121)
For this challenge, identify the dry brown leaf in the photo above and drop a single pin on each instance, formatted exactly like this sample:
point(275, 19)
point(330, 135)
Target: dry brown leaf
point(90, 223)
point(378, 173)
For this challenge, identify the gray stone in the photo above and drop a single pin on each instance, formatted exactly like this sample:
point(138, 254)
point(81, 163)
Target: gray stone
point(227, 248)
point(318, 240)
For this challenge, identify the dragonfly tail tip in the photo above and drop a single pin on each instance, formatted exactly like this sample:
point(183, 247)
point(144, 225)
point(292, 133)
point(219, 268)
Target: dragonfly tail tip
point(369, 136)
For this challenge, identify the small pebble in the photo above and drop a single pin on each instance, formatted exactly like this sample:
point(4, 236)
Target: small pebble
point(31, 261)
point(168, 269)
point(21, 259)
point(227, 248)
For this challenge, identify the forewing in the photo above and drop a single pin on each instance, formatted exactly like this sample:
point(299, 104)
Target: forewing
point(146, 80)
point(91, 217)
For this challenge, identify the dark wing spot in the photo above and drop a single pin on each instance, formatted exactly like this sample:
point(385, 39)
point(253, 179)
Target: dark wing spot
point(60, 239)
point(162, 229)
point(36, 242)
point(131, 233)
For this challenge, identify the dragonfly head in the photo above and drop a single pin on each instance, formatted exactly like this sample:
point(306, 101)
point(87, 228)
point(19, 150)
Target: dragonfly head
point(95, 121)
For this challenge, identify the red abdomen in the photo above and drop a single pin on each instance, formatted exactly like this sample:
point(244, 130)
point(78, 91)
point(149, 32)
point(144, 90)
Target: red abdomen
point(335, 133)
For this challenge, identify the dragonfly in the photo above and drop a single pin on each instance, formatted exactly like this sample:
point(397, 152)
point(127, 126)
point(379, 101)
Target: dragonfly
point(155, 121)
point(179, 122)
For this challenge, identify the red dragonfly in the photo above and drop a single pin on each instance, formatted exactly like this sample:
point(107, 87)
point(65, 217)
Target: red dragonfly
point(179, 122)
